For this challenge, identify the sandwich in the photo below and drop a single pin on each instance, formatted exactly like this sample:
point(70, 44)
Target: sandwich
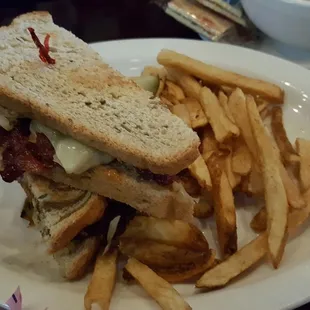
point(66, 115)
point(74, 224)
point(60, 213)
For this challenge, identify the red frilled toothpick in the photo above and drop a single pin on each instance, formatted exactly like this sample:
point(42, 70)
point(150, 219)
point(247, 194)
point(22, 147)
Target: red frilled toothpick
point(43, 49)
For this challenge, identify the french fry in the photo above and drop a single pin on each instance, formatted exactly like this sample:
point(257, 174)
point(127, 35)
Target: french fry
point(223, 128)
point(185, 272)
point(253, 184)
point(181, 111)
point(265, 114)
point(208, 143)
point(189, 84)
point(101, 286)
point(196, 114)
point(250, 254)
point(153, 253)
point(174, 90)
point(275, 195)
point(158, 288)
point(241, 161)
point(233, 178)
point(166, 102)
point(190, 184)
point(262, 105)
point(172, 99)
point(303, 149)
point(238, 107)
point(200, 172)
point(297, 217)
point(224, 207)
point(280, 136)
point(259, 221)
point(203, 208)
point(236, 264)
point(161, 87)
point(170, 232)
point(227, 90)
point(292, 190)
point(223, 100)
point(218, 76)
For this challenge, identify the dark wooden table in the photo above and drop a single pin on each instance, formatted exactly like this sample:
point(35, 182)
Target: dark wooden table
point(101, 20)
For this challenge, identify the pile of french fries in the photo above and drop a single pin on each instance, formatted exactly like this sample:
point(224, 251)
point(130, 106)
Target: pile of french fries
point(238, 153)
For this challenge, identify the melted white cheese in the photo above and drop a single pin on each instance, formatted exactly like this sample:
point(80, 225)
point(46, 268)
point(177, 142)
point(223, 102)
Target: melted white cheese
point(71, 154)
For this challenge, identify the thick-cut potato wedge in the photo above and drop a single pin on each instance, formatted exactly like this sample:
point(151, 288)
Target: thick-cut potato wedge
point(158, 288)
point(208, 143)
point(101, 286)
point(185, 272)
point(189, 84)
point(236, 264)
point(275, 195)
point(218, 76)
point(181, 111)
point(223, 100)
point(238, 107)
point(153, 253)
point(241, 161)
point(203, 208)
point(200, 172)
point(189, 183)
point(303, 149)
point(280, 136)
point(196, 114)
point(170, 232)
point(259, 221)
point(224, 207)
point(223, 128)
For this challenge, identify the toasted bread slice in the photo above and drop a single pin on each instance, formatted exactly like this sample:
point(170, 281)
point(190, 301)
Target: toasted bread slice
point(124, 184)
point(46, 192)
point(60, 222)
point(81, 96)
point(75, 259)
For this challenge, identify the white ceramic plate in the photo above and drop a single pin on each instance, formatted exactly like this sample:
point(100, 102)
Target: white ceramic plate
point(23, 263)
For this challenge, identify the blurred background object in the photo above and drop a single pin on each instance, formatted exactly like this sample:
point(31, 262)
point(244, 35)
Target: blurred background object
point(100, 20)
point(287, 21)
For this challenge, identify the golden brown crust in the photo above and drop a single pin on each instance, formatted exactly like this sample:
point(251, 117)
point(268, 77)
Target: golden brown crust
point(99, 78)
point(71, 226)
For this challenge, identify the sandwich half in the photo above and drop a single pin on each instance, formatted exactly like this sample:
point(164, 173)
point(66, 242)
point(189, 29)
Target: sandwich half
point(62, 214)
point(66, 115)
